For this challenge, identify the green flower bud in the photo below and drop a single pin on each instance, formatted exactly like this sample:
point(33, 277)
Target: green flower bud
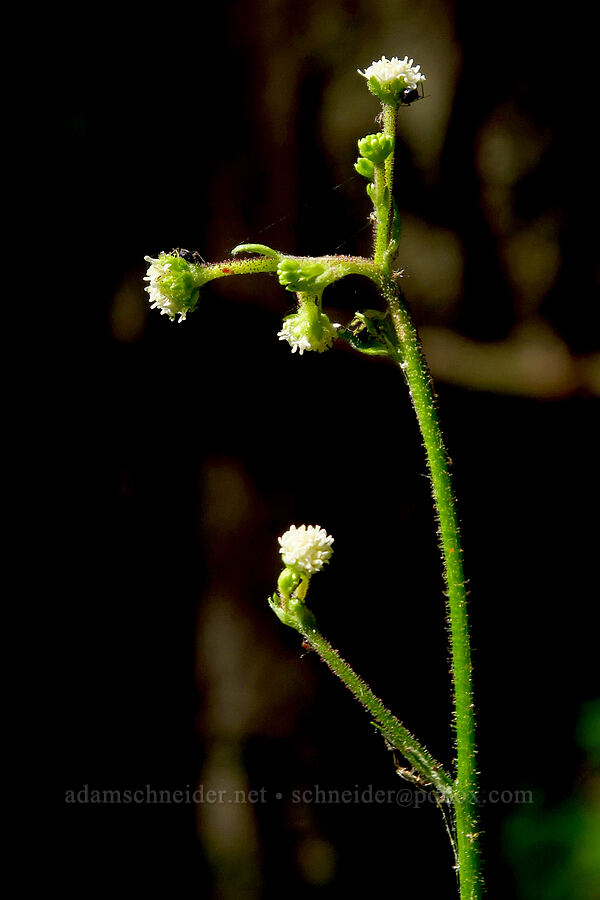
point(294, 613)
point(376, 147)
point(380, 197)
point(365, 167)
point(287, 582)
point(304, 275)
point(174, 285)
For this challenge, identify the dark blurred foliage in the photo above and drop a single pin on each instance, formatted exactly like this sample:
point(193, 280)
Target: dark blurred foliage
point(190, 447)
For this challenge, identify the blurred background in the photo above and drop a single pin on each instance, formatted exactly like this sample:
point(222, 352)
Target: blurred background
point(193, 446)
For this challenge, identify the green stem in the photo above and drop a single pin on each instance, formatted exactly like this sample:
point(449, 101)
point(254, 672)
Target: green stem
point(390, 115)
point(344, 265)
point(392, 729)
point(412, 362)
point(384, 182)
point(211, 271)
point(382, 213)
point(415, 369)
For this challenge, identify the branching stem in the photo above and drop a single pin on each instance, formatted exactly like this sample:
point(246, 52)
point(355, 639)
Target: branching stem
point(408, 355)
point(171, 290)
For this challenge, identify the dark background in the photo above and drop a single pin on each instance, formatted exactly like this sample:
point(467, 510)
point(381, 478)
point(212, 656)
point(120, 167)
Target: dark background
point(191, 447)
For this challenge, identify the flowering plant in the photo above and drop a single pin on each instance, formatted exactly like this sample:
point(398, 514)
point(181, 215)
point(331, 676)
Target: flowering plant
point(174, 285)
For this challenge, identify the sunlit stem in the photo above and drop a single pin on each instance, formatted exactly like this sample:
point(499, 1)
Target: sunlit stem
point(211, 271)
point(408, 354)
point(342, 265)
point(390, 115)
point(382, 213)
point(384, 182)
point(417, 375)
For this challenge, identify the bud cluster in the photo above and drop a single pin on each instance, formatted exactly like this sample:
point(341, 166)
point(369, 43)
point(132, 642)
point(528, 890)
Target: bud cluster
point(304, 275)
point(376, 147)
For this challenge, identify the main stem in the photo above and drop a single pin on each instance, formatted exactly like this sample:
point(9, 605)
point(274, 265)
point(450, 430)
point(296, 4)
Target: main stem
point(422, 394)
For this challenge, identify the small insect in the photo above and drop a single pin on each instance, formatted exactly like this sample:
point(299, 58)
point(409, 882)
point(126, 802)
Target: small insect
point(187, 255)
point(440, 802)
point(306, 648)
point(411, 775)
point(410, 95)
point(406, 774)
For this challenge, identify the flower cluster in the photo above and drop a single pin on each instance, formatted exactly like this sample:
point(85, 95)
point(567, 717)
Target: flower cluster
point(173, 288)
point(388, 79)
point(308, 329)
point(306, 549)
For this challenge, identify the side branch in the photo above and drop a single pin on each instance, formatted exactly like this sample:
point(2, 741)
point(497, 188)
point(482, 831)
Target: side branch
point(392, 729)
point(339, 266)
point(204, 272)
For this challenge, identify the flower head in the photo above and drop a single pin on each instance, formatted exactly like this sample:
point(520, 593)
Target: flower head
point(173, 288)
point(308, 329)
point(306, 549)
point(388, 79)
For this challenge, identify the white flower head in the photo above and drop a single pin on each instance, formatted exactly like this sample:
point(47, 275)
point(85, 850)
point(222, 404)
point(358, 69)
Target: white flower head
point(158, 300)
point(306, 548)
point(171, 288)
point(308, 329)
point(389, 78)
point(292, 332)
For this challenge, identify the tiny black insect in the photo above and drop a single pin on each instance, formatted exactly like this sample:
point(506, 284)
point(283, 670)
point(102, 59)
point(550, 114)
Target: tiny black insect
point(410, 95)
point(187, 254)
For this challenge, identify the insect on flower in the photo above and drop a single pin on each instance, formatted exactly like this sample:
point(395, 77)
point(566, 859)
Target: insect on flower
point(188, 255)
point(410, 95)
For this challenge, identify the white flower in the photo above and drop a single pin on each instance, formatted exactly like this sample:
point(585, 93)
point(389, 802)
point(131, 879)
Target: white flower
point(386, 71)
point(156, 273)
point(292, 333)
point(172, 287)
point(308, 329)
point(306, 548)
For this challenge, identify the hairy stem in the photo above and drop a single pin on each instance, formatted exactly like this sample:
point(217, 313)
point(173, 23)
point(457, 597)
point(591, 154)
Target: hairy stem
point(392, 729)
point(384, 180)
point(254, 265)
point(390, 115)
point(409, 356)
point(382, 213)
point(415, 369)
